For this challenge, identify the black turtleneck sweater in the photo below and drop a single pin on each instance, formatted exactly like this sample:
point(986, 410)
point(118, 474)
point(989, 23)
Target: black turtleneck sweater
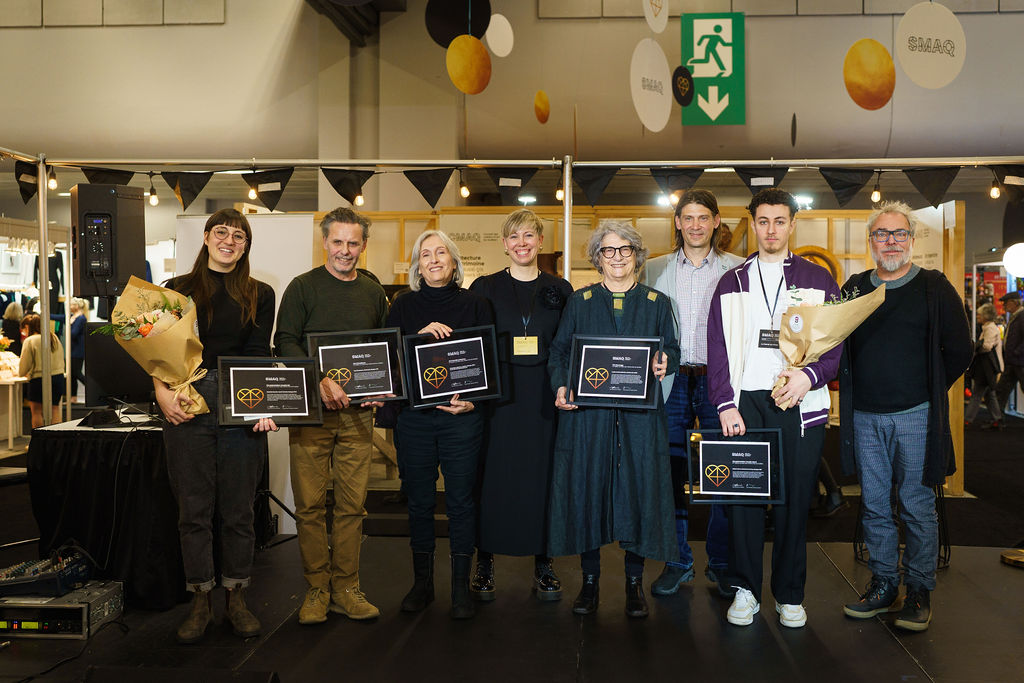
point(223, 333)
point(451, 305)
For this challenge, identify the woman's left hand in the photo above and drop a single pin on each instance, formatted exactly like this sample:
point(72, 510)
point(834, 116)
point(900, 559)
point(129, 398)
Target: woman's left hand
point(660, 365)
point(265, 424)
point(457, 407)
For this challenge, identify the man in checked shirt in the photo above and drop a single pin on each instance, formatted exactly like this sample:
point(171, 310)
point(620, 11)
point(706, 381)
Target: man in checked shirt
point(688, 276)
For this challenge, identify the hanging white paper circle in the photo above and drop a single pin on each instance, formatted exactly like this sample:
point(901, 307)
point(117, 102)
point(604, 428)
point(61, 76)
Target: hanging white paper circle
point(499, 36)
point(650, 84)
point(931, 45)
point(1013, 260)
point(656, 12)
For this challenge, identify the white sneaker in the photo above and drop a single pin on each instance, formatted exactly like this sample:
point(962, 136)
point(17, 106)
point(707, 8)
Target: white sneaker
point(793, 616)
point(743, 608)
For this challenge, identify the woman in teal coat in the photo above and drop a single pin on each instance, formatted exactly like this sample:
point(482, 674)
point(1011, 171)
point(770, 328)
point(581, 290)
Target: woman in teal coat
point(612, 477)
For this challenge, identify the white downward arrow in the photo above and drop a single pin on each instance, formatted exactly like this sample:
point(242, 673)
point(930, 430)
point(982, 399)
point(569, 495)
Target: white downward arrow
point(712, 106)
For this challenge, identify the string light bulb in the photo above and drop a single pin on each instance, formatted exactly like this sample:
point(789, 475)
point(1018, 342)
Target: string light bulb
point(253, 194)
point(153, 198)
point(359, 201)
point(463, 187)
point(51, 179)
point(674, 197)
point(994, 191)
point(560, 192)
point(876, 194)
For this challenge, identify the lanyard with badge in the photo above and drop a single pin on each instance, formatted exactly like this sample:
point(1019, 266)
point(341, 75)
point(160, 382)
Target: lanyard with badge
point(526, 345)
point(769, 339)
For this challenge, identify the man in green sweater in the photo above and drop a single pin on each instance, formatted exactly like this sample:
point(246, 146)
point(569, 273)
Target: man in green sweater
point(333, 298)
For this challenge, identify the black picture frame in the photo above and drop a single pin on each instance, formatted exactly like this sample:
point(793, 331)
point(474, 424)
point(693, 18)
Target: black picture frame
point(757, 456)
point(478, 358)
point(298, 375)
point(595, 361)
point(323, 345)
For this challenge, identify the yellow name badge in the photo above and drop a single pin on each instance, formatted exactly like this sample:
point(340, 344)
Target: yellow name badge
point(524, 346)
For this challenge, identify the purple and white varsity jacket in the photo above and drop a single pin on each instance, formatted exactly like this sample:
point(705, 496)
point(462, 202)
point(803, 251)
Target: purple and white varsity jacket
point(727, 335)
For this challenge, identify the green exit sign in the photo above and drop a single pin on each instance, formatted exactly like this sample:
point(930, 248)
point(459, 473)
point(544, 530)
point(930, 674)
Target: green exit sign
point(713, 51)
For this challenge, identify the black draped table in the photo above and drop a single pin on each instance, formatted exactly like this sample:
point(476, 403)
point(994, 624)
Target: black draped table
point(107, 490)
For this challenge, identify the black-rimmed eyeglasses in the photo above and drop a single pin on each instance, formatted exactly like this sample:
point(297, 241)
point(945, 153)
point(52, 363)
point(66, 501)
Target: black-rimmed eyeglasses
point(625, 251)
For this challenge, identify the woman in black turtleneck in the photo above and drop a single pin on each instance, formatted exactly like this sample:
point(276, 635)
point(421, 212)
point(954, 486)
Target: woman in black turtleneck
point(210, 465)
point(448, 435)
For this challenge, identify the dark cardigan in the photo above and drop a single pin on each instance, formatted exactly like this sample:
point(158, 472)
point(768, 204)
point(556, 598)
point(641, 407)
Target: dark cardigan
point(950, 349)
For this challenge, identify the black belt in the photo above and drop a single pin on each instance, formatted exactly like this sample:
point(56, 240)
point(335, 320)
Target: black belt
point(693, 370)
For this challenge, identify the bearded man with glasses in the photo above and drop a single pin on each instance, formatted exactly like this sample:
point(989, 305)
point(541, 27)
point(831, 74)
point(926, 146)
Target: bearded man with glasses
point(895, 372)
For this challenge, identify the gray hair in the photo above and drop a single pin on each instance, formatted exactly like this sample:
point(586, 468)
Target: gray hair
point(14, 312)
point(624, 230)
point(520, 219)
point(414, 258)
point(988, 312)
point(343, 214)
point(891, 206)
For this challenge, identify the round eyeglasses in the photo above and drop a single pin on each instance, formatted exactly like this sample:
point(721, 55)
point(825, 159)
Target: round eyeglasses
point(625, 251)
point(222, 233)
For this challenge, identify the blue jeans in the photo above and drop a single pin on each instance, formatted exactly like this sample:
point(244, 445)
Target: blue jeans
point(688, 402)
point(891, 447)
point(214, 473)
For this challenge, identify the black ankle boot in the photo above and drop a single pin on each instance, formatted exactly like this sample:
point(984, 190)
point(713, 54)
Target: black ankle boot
point(462, 602)
point(546, 585)
point(586, 601)
point(422, 592)
point(636, 604)
point(482, 585)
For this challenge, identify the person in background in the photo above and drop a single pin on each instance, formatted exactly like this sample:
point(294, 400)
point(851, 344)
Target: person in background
point(12, 326)
point(336, 455)
point(520, 427)
point(612, 479)
point(987, 364)
point(688, 277)
point(744, 362)
point(215, 470)
point(31, 366)
point(897, 368)
point(76, 340)
point(448, 435)
point(1013, 351)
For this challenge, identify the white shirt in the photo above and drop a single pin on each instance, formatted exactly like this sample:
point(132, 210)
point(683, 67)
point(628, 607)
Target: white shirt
point(761, 366)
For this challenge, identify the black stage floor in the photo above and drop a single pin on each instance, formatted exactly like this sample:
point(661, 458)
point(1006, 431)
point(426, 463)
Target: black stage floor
point(977, 633)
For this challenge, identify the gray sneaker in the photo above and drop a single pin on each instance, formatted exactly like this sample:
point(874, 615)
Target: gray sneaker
point(671, 579)
point(880, 596)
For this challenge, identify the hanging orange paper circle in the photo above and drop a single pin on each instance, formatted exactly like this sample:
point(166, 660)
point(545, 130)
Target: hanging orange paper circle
point(541, 106)
point(869, 74)
point(469, 64)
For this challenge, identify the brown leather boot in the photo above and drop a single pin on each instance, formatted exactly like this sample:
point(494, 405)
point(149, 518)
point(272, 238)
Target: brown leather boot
point(194, 626)
point(243, 622)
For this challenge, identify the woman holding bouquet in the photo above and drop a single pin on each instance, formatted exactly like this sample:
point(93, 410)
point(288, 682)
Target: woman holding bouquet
point(520, 432)
point(212, 466)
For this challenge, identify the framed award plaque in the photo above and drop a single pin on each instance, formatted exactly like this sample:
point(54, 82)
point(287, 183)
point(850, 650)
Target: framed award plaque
point(367, 364)
point(464, 363)
point(614, 372)
point(736, 470)
point(251, 387)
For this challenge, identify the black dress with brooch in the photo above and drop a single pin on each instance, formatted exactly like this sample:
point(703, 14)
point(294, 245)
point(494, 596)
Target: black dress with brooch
point(520, 431)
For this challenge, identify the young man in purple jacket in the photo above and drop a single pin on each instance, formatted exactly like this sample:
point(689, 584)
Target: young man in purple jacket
point(743, 363)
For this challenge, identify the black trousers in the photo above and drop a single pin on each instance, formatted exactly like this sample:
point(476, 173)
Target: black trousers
point(801, 455)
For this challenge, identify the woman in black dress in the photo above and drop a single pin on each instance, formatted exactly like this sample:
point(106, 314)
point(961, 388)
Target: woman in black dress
point(215, 470)
point(448, 435)
point(520, 432)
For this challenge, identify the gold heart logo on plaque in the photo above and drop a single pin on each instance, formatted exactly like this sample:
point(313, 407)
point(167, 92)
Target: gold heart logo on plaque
point(340, 375)
point(656, 6)
point(435, 376)
point(596, 376)
point(250, 397)
point(717, 473)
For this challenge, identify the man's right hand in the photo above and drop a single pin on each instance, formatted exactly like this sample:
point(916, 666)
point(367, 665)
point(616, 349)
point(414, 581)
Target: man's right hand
point(333, 396)
point(732, 422)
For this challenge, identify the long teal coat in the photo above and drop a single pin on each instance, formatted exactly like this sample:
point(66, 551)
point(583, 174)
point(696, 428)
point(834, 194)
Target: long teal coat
point(612, 479)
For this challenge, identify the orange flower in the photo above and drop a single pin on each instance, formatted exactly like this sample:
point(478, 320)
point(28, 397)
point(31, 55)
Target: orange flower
point(145, 329)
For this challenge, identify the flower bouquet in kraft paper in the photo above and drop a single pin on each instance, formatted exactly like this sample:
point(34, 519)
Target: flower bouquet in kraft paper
point(157, 327)
point(812, 328)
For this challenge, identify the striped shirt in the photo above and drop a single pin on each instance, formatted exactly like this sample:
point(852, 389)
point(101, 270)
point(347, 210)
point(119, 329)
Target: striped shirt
point(695, 286)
